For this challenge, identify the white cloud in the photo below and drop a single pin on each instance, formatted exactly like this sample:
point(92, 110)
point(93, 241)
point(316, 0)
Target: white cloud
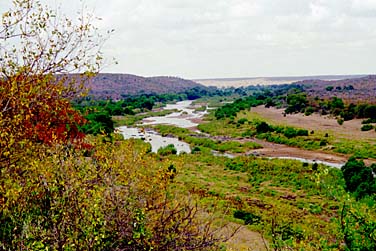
point(364, 5)
point(215, 38)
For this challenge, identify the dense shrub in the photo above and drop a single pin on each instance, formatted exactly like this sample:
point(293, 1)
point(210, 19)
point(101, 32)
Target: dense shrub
point(167, 150)
point(263, 127)
point(249, 218)
point(99, 122)
point(118, 199)
point(242, 121)
point(290, 132)
point(366, 127)
point(359, 178)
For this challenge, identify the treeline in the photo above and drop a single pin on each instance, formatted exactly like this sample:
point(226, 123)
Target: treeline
point(255, 96)
point(98, 113)
point(300, 102)
point(231, 109)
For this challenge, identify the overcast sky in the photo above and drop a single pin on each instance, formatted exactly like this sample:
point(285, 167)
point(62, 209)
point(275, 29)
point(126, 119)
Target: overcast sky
point(238, 38)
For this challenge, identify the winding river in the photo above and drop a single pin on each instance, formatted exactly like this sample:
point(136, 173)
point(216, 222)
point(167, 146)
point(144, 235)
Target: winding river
point(185, 118)
point(182, 118)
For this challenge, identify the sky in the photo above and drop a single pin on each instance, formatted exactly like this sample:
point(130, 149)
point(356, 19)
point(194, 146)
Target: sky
point(236, 38)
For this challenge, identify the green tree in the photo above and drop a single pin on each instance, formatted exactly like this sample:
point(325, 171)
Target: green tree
point(359, 178)
point(296, 102)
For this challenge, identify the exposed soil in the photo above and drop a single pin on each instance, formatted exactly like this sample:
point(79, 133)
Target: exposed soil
point(277, 150)
point(245, 240)
point(274, 150)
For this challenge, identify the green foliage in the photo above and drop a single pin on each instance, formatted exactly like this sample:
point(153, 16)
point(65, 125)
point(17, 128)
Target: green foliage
point(99, 122)
point(329, 88)
point(359, 178)
point(340, 121)
point(358, 228)
point(230, 110)
point(366, 127)
point(368, 121)
point(297, 102)
point(242, 121)
point(249, 218)
point(263, 127)
point(308, 111)
point(167, 150)
point(202, 141)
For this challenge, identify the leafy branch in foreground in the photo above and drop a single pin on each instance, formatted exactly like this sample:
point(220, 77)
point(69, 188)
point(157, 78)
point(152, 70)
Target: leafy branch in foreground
point(121, 198)
point(38, 47)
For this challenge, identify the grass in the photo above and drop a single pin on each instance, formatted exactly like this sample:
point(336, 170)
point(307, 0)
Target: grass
point(284, 191)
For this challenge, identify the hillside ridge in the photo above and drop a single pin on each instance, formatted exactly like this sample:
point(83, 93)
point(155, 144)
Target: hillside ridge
point(117, 86)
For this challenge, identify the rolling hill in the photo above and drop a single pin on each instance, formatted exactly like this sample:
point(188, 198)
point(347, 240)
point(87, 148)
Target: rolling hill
point(352, 90)
point(117, 86)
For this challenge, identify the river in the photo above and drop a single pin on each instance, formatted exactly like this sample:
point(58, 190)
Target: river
point(184, 118)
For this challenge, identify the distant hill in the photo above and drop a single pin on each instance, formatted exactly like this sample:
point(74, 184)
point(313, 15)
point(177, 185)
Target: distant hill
point(117, 86)
point(247, 81)
point(355, 90)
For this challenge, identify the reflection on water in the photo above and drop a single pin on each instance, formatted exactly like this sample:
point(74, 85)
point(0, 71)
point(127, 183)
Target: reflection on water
point(156, 141)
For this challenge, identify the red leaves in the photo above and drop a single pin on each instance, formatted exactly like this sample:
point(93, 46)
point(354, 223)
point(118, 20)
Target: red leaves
point(34, 109)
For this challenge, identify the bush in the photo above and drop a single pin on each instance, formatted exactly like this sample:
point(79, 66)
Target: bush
point(249, 218)
point(302, 132)
point(368, 121)
point(366, 127)
point(196, 149)
point(359, 178)
point(98, 123)
point(329, 88)
point(263, 127)
point(242, 121)
point(309, 110)
point(323, 142)
point(119, 199)
point(167, 150)
point(290, 132)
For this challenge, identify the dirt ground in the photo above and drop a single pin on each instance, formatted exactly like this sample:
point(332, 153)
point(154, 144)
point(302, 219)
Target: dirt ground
point(246, 240)
point(349, 129)
point(277, 150)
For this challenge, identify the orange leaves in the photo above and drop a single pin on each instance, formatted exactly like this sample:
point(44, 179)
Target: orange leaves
point(34, 109)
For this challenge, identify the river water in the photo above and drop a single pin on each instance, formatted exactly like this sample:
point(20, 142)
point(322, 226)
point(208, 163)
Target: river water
point(183, 118)
point(156, 140)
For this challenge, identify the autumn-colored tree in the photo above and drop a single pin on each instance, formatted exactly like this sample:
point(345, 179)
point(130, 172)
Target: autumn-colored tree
point(38, 48)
